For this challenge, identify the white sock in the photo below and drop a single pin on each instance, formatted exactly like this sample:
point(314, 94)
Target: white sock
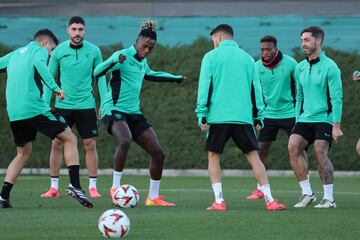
point(154, 189)
point(306, 187)
point(92, 182)
point(54, 181)
point(328, 192)
point(258, 186)
point(267, 192)
point(217, 188)
point(116, 179)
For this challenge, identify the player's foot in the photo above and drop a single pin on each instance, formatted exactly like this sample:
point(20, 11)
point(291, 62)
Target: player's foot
point(5, 203)
point(112, 195)
point(94, 193)
point(305, 200)
point(53, 192)
point(257, 194)
point(158, 202)
point(217, 206)
point(79, 195)
point(274, 206)
point(324, 203)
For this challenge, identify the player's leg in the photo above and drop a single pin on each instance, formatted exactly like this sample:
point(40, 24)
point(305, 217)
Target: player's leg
point(57, 156)
point(326, 169)
point(298, 141)
point(23, 134)
point(148, 141)
point(13, 171)
point(358, 147)
point(86, 123)
point(244, 137)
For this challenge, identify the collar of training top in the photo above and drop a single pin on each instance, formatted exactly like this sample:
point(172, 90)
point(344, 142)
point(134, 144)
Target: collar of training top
point(228, 43)
point(134, 53)
point(316, 60)
point(76, 46)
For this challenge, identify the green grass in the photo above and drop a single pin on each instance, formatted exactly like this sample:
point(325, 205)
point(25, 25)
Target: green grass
point(63, 218)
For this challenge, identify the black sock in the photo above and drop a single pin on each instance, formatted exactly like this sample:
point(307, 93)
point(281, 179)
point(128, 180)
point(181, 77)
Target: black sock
point(5, 192)
point(74, 175)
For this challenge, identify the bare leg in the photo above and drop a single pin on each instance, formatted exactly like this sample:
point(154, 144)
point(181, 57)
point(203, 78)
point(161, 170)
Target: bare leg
point(91, 156)
point(358, 147)
point(56, 157)
point(214, 167)
point(297, 155)
point(122, 133)
point(326, 169)
point(257, 167)
point(69, 140)
point(264, 152)
point(18, 163)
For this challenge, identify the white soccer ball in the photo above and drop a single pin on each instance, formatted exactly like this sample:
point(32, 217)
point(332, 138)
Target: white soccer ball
point(114, 224)
point(126, 196)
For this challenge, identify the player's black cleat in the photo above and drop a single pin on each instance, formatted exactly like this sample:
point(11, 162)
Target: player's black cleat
point(79, 195)
point(5, 203)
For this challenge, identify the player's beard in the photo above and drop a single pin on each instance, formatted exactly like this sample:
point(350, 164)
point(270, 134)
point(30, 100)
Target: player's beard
point(77, 40)
point(310, 50)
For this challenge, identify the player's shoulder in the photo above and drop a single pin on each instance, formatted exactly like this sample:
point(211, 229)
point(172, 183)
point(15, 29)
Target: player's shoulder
point(289, 59)
point(90, 46)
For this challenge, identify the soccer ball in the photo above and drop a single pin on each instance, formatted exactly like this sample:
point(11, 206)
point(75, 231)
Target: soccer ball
point(126, 196)
point(114, 224)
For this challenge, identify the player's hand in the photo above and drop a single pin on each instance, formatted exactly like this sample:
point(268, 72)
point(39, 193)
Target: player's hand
point(122, 58)
point(60, 94)
point(336, 132)
point(99, 114)
point(204, 127)
point(356, 76)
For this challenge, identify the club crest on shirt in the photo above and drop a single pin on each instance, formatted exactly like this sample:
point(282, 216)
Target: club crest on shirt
point(262, 72)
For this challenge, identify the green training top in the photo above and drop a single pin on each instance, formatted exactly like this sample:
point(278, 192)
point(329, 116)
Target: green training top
point(319, 91)
point(127, 77)
point(27, 72)
point(73, 66)
point(278, 86)
point(229, 88)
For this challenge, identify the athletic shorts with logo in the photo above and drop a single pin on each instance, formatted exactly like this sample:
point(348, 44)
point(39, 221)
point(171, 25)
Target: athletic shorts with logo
point(84, 119)
point(137, 122)
point(313, 131)
point(49, 124)
point(242, 134)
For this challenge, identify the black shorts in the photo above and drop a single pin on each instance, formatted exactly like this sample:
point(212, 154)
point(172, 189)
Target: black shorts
point(313, 131)
point(242, 134)
point(84, 119)
point(272, 126)
point(49, 124)
point(137, 122)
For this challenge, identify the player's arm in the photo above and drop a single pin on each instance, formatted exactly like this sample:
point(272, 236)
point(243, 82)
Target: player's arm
point(293, 79)
point(336, 96)
point(109, 64)
point(101, 81)
point(158, 76)
point(299, 96)
point(40, 59)
point(54, 70)
point(204, 92)
point(257, 99)
point(4, 61)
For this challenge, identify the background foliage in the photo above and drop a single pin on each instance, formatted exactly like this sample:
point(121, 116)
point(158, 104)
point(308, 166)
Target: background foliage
point(170, 109)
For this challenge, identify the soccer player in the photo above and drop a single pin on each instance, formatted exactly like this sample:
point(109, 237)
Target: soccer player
point(229, 99)
point(27, 75)
point(318, 116)
point(121, 109)
point(73, 62)
point(276, 73)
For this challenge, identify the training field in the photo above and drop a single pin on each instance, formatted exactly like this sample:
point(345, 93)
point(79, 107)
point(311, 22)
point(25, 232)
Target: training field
point(63, 218)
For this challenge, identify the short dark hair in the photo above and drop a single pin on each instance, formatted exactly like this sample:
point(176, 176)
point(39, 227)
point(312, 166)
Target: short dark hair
point(46, 33)
point(223, 28)
point(76, 19)
point(148, 29)
point(315, 31)
point(269, 38)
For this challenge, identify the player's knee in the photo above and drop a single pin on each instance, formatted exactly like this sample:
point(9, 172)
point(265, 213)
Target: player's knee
point(24, 154)
point(159, 154)
point(294, 149)
point(320, 150)
point(124, 144)
point(57, 144)
point(90, 144)
point(358, 148)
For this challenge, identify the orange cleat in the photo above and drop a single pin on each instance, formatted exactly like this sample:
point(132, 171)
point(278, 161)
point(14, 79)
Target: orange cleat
point(52, 193)
point(94, 193)
point(274, 206)
point(158, 202)
point(257, 194)
point(217, 206)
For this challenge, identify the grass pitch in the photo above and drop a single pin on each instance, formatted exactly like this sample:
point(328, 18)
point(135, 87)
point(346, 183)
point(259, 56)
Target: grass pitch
point(63, 218)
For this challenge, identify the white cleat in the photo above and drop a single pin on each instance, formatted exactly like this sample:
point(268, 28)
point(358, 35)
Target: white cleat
point(305, 200)
point(324, 203)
